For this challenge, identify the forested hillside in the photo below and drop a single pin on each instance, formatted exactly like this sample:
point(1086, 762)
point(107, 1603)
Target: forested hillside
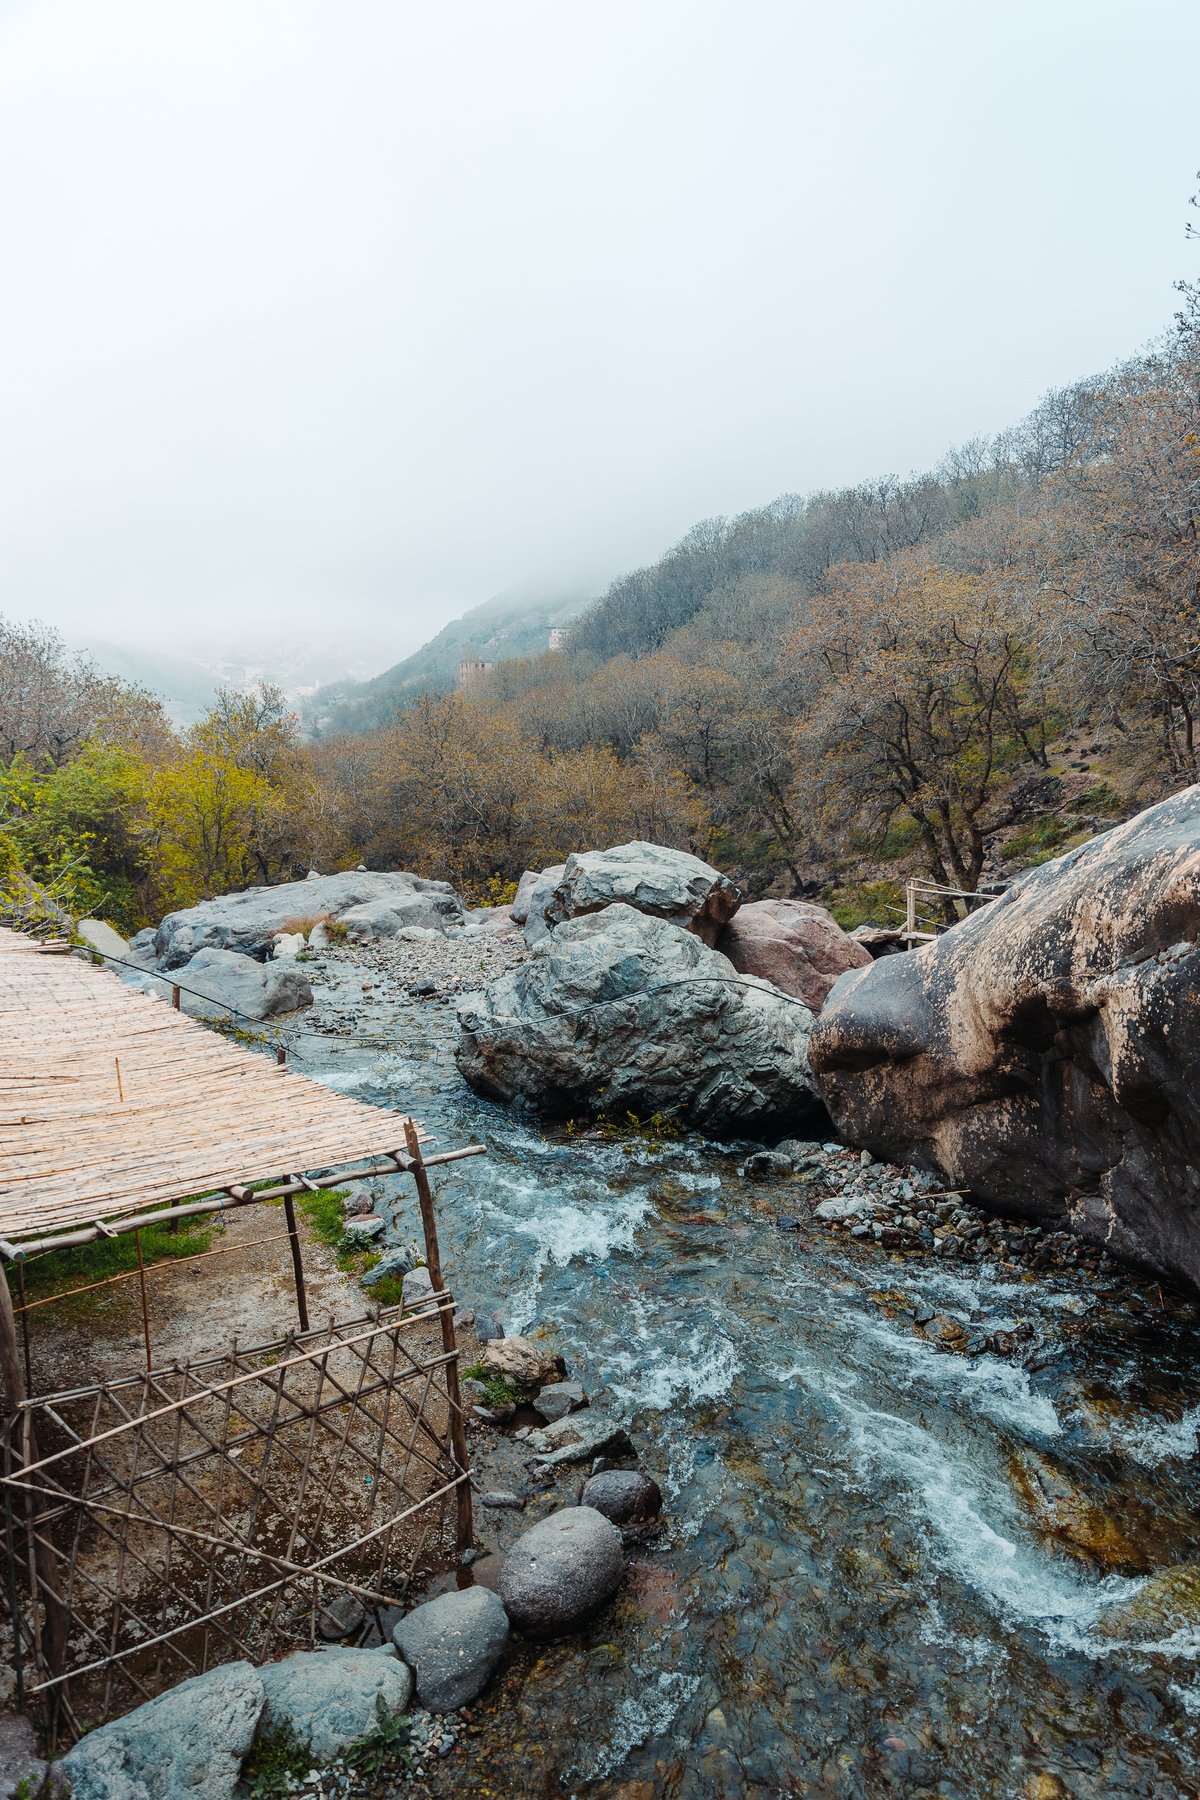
point(960, 673)
point(516, 623)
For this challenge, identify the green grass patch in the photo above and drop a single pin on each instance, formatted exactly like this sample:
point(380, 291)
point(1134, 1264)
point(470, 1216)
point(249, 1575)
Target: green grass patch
point(659, 1128)
point(276, 1762)
point(323, 1210)
point(497, 1391)
point(389, 1289)
point(1037, 841)
point(901, 837)
point(84, 1264)
point(875, 903)
point(1101, 799)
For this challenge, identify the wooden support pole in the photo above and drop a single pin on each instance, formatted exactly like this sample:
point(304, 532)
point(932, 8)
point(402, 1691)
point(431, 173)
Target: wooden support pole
point(12, 1374)
point(137, 1238)
point(175, 995)
point(465, 1535)
point(280, 1055)
point(297, 1264)
point(24, 1323)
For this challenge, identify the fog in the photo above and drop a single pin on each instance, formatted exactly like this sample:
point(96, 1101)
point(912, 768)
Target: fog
point(321, 324)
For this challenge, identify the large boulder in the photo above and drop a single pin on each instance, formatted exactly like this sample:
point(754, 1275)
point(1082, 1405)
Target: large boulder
point(248, 921)
point(220, 983)
point(798, 947)
point(395, 913)
point(579, 1437)
point(521, 1362)
point(24, 1775)
point(326, 1697)
point(534, 892)
point(452, 1645)
point(624, 1013)
point(186, 1743)
point(1045, 1053)
point(667, 884)
point(561, 1571)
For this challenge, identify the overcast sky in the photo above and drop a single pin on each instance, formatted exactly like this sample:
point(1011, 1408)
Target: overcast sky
point(339, 318)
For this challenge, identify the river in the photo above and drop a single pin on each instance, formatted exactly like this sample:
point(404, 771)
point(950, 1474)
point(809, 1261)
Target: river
point(849, 1596)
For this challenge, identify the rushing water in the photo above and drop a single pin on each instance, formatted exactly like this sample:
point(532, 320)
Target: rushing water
point(849, 1596)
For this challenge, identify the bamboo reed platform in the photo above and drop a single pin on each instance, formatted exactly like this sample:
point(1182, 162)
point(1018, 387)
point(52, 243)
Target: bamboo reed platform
point(112, 1101)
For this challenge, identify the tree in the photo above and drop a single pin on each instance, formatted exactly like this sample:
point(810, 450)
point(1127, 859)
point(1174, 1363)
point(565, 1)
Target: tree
point(52, 702)
point(927, 703)
point(255, 730)
point(72, 828)
point(204, 817)
point(1125, 523)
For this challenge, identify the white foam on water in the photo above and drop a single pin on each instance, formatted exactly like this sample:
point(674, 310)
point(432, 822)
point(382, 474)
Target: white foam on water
point(1014, 1578)
point(1152, 1442)
point(982, 1291)
point(637, 1718)
point(696, 1363)
point(543, 1229)
point(1000, 1390)
point(957, 1505)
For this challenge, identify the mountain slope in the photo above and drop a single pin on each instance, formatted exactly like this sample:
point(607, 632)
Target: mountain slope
point(515, 623)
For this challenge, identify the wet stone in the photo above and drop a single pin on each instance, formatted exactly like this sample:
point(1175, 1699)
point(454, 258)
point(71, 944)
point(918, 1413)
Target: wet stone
point(560, 1398)
point(626, 1496)
point(341, 1617)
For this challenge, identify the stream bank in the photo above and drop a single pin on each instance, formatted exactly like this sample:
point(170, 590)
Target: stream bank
point(890, 1563)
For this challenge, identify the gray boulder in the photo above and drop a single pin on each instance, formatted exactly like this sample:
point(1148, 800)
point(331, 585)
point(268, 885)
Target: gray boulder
point(525, 887)
point(452, 1645)
point(768, 1165)
point(249, 921)
point(558, 1398)
point(416, 1288)
point(578, 1437)
point(626, 1496)
point(186, 1744)
point(1045, 1053)
point(396, 915)
point(101, 936)
point(626, 1013)
point(24, 1775)
point(327, 1697)
point(392, 1262)
point(217, 983)
point(534, 891)
point(667, 884)
point(561, 1571)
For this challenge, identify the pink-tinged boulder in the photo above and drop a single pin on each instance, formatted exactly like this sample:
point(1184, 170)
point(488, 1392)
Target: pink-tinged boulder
point(797, 947)
point(1045, 1053)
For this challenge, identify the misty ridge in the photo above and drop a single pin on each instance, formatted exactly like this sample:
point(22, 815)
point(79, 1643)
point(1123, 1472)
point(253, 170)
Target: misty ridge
point(959, 673)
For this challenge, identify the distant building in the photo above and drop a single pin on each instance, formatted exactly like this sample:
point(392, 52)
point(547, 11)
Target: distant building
point(558, 636)
point(472, 668)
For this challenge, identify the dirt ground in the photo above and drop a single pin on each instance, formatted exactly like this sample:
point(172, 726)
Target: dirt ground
point(195, 1307)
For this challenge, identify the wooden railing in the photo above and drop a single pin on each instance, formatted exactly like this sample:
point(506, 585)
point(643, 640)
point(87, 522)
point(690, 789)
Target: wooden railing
point(921, 927)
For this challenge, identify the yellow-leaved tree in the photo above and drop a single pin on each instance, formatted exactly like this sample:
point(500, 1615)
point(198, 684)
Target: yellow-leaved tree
point(204, 816)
